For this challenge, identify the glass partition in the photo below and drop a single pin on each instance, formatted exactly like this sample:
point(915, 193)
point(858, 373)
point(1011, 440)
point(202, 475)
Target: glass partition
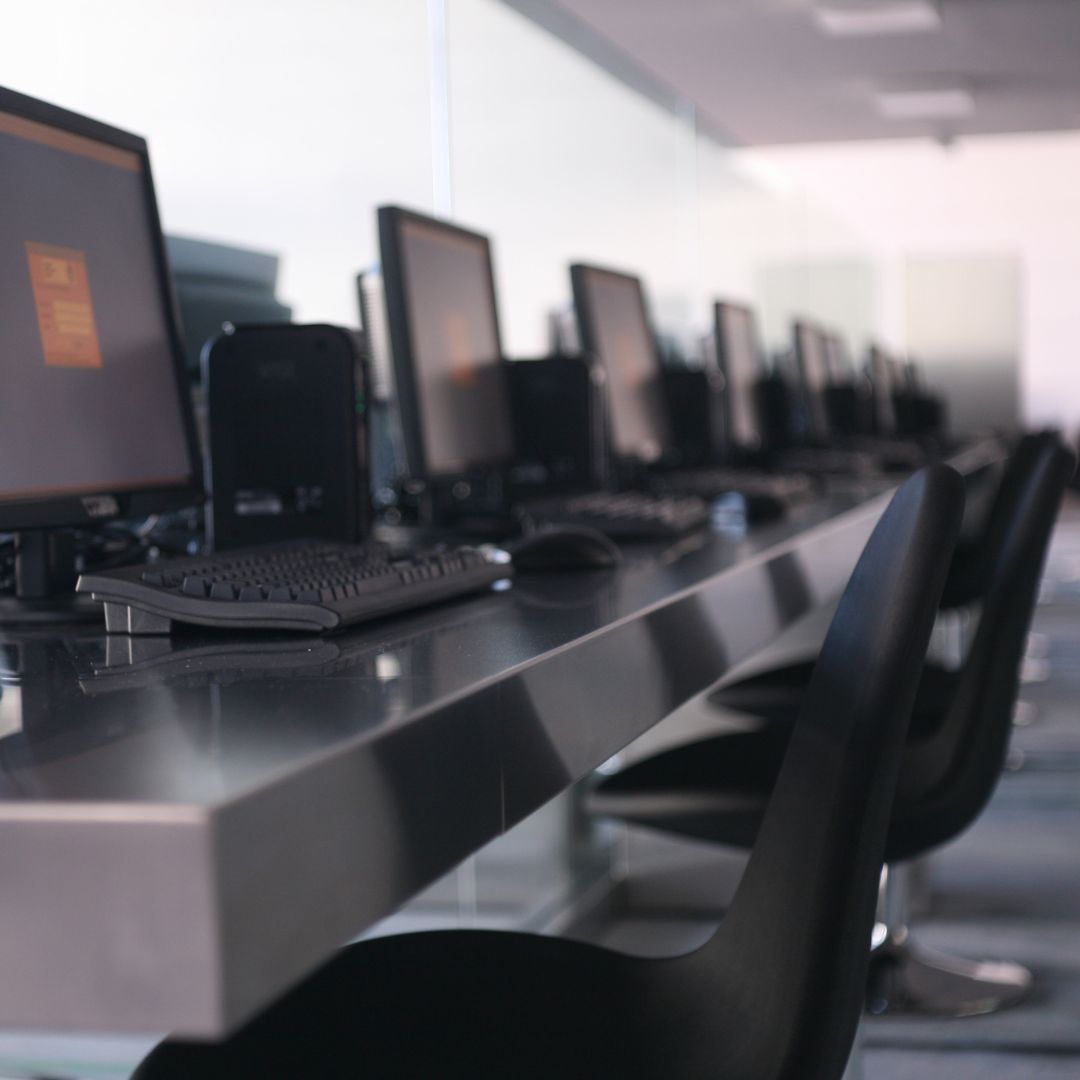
point(272, 125)
point(560, 159)
point(281, 129)
point(560, 162)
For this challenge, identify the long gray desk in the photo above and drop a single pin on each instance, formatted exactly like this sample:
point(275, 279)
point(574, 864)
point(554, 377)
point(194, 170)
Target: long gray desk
point(189, 826)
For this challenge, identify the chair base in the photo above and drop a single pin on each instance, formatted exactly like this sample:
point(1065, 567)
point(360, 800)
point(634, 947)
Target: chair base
point(906, 977)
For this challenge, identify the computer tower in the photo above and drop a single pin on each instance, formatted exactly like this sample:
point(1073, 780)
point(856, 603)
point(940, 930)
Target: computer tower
point(696, 408)
point(773, 395)
point(288, 445)
point(559, 414)
point(848, 407)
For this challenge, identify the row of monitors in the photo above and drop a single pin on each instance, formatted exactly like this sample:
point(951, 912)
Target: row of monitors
point(449, 358)
point(95, 418)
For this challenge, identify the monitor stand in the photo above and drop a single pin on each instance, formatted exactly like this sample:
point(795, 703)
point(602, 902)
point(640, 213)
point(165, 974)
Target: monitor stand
point(45, 578)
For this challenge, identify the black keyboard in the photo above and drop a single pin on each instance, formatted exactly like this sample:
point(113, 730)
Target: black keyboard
point(710, 482)
point(631, 515)
point(828, 461)
point(300, 585)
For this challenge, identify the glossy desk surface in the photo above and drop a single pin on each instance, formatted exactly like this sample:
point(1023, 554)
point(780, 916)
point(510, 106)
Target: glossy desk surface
point(188, 826)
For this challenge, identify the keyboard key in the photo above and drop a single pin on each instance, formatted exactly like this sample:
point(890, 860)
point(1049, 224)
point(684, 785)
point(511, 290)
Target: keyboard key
point(194, 586)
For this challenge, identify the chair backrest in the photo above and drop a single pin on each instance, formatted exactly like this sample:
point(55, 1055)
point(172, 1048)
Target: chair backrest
point(973, 566)
point(795, 945)
point(949, 774)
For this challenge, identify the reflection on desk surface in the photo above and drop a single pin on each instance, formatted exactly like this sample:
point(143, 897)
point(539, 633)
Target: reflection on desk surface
point(199, 718)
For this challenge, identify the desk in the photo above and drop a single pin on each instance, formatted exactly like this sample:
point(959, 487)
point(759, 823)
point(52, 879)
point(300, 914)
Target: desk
point(188, 826)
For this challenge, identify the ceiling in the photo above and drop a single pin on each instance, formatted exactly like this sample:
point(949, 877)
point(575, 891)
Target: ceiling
point(762, 72)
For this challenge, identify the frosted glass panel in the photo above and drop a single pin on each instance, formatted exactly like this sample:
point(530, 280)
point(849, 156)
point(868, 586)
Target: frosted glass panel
point(272, 124)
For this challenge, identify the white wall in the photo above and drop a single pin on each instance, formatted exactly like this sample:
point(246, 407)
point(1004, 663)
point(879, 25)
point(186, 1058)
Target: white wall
point(1012, 196)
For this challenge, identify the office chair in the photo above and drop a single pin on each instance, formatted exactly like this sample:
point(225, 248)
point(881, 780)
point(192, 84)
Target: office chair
point(775, 694)
point(716, 788)
point(773, 995)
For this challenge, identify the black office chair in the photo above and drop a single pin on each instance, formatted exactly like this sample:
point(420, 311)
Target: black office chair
point(775, 694)
point(716, 788)
point(775, 993)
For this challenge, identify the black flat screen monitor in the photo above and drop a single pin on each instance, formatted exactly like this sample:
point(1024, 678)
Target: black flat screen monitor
point(735, 332)
point(838, 360)
point(613, 326)
point(911, 377)
point(95, 419)
point(218, 284)
point(812, 362)
point(444, 337)
point(881, 369)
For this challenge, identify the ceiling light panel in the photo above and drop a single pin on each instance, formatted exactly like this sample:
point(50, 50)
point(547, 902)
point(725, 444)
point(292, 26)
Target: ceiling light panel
point(872, 18)
point(940, 103)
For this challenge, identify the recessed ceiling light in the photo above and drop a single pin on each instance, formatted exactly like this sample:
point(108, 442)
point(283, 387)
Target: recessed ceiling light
point(925, 103)
point(868, 18)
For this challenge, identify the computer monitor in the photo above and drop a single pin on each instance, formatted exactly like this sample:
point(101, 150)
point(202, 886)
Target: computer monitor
point(737, 354)
point(613, 326)
point(95, 421)
point(812, 365)
point(444, 336)
point(911, 380)
point(837, 359)
point(881, 369)
point(218, 284)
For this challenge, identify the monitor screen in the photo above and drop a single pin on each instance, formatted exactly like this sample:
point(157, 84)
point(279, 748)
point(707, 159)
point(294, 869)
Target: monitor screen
point(813, 367)
point(93, 402)
point(613, 327)
point(444, 332)
point(911, 379)
point(737, 354)
point(218, 284)
point(838, 360)
point(881, 369)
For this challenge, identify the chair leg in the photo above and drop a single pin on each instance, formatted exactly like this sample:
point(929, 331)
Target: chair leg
point(906, 977)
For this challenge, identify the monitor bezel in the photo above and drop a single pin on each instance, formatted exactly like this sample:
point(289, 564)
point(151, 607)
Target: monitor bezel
point(720, 340)
point(101, 504)
point(390, 220)
point(881, 372)
point(814, 398)
point(839, 368)
point(587, 336)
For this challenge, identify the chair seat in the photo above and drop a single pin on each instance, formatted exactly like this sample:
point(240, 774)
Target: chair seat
point(712, 789)
point(775, 696)
point(717, 788)
point(476, 1004)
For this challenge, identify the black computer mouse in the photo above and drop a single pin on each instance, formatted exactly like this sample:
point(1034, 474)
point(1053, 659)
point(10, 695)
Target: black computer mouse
point(564, 547)
point(762, 507)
